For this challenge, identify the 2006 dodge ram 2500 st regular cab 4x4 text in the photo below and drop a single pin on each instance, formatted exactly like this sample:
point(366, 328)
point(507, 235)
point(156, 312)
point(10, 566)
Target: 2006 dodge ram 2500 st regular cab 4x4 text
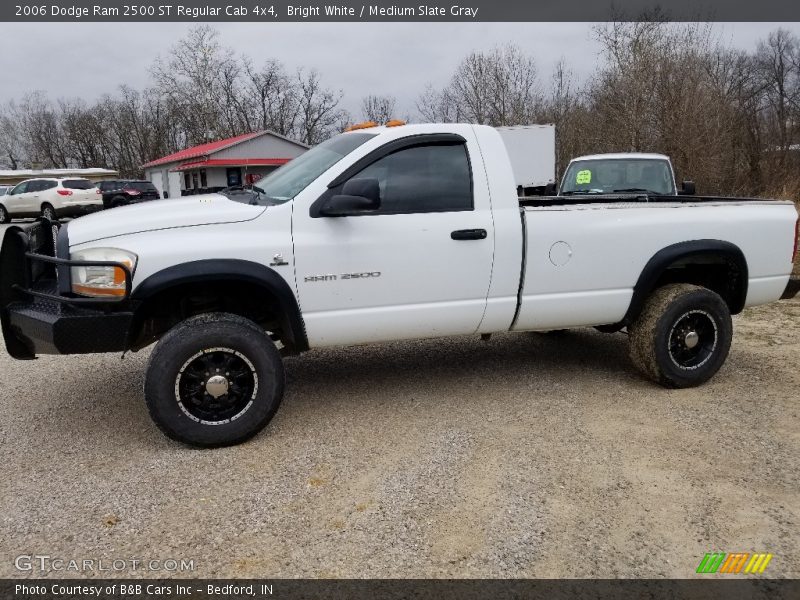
point(382, 234)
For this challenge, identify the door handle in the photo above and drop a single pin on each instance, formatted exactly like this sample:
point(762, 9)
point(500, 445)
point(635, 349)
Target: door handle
point(468, 234)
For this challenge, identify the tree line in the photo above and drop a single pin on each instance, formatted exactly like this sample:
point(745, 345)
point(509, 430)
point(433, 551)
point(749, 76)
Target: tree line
point(728, 118)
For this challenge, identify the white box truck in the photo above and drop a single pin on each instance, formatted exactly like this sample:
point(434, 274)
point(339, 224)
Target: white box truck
point(532, 150)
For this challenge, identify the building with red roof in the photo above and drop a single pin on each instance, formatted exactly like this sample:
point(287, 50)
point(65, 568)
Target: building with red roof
point(210, 167)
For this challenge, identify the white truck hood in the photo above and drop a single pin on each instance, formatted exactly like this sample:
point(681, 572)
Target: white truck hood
point(189, 211)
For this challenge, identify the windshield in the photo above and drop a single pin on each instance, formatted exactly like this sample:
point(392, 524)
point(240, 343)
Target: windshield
point(285, 183)
point(620, 175)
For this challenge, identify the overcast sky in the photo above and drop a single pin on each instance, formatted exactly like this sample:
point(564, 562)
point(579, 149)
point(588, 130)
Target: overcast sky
point(88, 59)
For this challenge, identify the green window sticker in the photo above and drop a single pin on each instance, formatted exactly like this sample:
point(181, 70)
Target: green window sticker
point(583, 177)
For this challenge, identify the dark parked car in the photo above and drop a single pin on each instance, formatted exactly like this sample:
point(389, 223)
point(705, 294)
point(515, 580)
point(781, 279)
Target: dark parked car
point(119, 192)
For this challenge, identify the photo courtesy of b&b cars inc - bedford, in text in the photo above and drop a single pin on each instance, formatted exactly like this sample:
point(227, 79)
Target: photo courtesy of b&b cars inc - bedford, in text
point(420, 300)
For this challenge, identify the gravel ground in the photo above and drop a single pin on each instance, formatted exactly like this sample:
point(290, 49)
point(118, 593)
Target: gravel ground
point(526, 456)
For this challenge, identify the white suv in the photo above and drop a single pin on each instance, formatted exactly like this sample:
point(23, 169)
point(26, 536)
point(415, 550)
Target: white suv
point(50, 198)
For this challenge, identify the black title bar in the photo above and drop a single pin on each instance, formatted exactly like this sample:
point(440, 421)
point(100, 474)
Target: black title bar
point(275, 11)
point(700, 588)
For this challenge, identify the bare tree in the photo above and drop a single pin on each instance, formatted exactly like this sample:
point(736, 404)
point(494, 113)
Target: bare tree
point(378, 108)
point(190, 76)
point(729, 119)
point(319, 110)
point(12, 152)
point(499, 87)
point(437, 106)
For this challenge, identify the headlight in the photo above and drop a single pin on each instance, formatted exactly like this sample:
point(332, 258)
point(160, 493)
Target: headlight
point(101, 281)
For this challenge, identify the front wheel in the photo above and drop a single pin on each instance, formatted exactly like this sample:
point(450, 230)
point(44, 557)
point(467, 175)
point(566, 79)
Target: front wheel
point(682, 337)
point(214, 380)
point(4, 216)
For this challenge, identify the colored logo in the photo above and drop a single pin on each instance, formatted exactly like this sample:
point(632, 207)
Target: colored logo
point(738, 562)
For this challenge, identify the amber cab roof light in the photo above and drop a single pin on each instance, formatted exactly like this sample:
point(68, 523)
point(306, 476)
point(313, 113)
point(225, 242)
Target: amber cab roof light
point(370, 124)
point(364, 125)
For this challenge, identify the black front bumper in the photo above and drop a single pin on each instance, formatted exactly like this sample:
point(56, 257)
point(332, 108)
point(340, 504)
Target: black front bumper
point(792, 288)
point(37, 312)
point(46, 327)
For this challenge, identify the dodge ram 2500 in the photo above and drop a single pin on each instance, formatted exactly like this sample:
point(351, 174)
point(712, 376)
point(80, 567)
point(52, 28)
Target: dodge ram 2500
point(379, 234)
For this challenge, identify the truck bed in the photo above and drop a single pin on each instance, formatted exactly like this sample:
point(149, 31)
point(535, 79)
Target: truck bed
point(583, 256)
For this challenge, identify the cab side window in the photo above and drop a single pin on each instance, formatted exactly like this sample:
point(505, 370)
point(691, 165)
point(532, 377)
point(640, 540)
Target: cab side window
point(425, 178)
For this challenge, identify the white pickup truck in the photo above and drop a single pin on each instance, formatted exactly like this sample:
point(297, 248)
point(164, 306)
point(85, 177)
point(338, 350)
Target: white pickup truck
point(379, 234)
point(622, 173)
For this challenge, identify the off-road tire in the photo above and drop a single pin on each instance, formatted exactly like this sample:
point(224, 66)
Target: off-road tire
point(657, 348)
point(201, 336)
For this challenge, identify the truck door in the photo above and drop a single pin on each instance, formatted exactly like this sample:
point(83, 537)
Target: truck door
point(417, 266)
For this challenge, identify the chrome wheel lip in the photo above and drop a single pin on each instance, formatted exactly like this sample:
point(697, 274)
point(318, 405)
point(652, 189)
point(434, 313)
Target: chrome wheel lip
point(209, 351)
point(710, 351)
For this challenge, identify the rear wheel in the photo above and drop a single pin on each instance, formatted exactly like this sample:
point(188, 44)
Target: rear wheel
point(214, 380)
point(48, 212)
point(682, 337)
point(118, 201)
point(4, 216)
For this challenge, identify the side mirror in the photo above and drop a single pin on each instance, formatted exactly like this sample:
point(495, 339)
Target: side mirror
point(688, 189)
point(551, 189)
point(358, 196)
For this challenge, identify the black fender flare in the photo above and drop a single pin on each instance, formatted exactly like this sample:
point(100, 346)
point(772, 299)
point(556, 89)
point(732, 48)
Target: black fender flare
point(665, 257)
point(231, 269)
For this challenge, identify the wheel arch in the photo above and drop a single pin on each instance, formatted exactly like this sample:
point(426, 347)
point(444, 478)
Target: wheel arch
point(221, 278)
point(716, 264)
